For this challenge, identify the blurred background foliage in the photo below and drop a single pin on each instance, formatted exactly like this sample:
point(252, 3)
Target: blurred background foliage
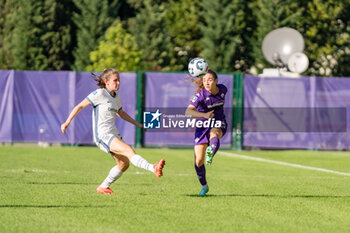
point(129, 35)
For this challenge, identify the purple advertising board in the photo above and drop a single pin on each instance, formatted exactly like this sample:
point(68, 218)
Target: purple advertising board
point(34, 104)
point(305, 113)
point(6, 104)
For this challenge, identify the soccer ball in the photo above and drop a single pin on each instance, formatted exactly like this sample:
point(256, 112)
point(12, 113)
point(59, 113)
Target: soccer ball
point(197, 67)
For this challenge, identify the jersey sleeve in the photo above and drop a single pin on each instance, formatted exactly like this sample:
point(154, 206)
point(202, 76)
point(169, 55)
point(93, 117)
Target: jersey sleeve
point(94, 98)
point(196, 99)
point(224, 89)
point(119, 104)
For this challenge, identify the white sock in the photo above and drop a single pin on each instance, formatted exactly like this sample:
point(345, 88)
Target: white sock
point(113, 175)
point(140, 162)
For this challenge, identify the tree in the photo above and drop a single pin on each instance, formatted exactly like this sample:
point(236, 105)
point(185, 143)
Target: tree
point(244, 56)
point(118, 50)
point(6, 27)
point(21, 33)
point(326, 27)
point(224, 23)
point(35, 36)
point(151, 35)
point(182, 22)
point(56, 35)
point(92, 21)
point(270, 15)
point(2, 23)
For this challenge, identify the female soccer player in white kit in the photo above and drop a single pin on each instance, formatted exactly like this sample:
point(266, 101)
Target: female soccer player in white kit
point(106, 104)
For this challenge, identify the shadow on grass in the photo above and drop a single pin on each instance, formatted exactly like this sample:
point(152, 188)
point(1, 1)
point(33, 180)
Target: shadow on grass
point(56, 206)
point(79, 183)
point(266, 195)
point(63, 183)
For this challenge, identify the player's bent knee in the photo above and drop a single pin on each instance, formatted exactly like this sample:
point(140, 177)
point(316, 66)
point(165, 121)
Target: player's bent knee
point(124, 150)
point(215, 133)
point(129, 152)
point(199, 162)
point(125, 164)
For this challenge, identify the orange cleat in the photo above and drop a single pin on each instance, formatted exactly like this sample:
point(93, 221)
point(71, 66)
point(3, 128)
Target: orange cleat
point(104, 190)
point(158, 168)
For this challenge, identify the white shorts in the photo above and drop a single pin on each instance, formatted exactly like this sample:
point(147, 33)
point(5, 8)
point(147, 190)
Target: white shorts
point(105, 141)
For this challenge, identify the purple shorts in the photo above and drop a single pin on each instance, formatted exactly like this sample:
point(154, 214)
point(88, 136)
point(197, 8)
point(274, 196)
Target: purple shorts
point(202, 134)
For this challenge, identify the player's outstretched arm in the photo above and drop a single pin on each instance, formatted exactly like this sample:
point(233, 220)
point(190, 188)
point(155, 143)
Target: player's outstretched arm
point(191, 111)
point(128, 118)
point(83, 104)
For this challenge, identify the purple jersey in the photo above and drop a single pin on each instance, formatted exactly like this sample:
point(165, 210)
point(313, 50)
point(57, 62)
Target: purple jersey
point(206, 102)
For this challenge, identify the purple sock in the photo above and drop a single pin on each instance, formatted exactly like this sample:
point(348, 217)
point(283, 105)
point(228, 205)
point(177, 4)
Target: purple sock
point(215, 144)
point(201, 174)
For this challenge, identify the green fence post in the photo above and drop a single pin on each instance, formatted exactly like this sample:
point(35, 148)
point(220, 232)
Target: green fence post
point(139, 107)
point(238, 110)
point(233, 113)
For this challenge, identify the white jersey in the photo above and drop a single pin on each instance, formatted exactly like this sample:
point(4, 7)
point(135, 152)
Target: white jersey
point(105, 107)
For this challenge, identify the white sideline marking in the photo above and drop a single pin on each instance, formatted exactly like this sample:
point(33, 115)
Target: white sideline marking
point(282, 163)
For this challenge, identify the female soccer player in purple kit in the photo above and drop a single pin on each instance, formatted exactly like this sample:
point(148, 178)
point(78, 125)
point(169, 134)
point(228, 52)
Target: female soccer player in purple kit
point(207, 103)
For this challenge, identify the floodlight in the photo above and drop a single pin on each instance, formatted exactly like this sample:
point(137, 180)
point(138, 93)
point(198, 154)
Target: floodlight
point(279, 44)
point(298, 63)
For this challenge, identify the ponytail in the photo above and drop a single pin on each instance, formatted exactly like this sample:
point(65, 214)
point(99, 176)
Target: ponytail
point(105, 75)
point(99, 80)
point(198, 82)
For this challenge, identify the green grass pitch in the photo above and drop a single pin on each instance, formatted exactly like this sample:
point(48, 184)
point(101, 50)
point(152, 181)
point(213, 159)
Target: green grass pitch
point(54, 190)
